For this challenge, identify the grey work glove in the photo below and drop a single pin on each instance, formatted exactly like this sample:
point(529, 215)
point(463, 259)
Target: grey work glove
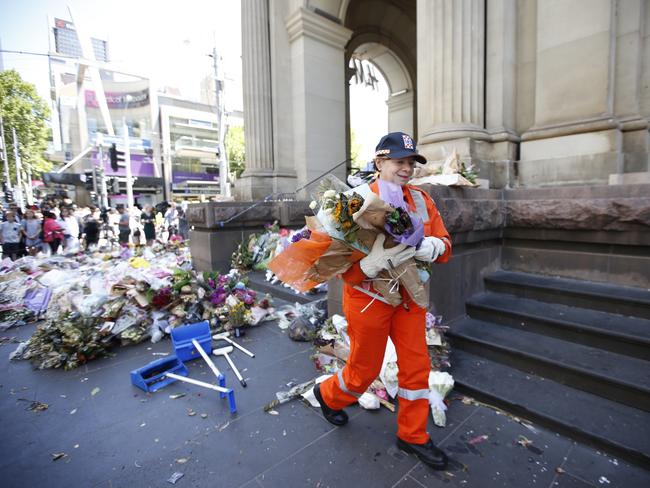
point(380, 258)
point(431, 249)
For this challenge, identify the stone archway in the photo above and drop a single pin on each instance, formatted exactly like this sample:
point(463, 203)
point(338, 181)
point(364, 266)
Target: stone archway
point(401, 98)
point(384, 33)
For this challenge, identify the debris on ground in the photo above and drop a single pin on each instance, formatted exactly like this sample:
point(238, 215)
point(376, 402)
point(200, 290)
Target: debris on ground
point(175, 477)
point(34, 405)
point(523, 441)
point(285, 396)
point(478, 439)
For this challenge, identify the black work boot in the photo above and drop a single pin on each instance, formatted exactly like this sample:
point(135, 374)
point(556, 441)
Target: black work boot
point(336, 417)
point(428, 453)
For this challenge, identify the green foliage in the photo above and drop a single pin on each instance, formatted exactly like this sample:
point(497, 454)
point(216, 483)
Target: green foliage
point(236, 148)
point(181, 277)
point(355, 147)
point(468, 172)
point(242, 258)
point(21, 108)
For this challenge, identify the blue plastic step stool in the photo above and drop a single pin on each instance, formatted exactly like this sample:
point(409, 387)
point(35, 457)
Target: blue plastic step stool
point(152, 377)
point(182, 340)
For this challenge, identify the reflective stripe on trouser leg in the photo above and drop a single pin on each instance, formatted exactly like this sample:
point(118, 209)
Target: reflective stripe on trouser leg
point(343, 387)
point(413, 415)
point(413, 394)
point(408, 334)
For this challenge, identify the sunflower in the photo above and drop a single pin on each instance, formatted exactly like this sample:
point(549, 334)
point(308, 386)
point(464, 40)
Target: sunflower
point(337, 210)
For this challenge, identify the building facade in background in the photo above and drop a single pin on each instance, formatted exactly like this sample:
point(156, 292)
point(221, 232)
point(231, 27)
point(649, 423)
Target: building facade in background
point(173, 142)
point(534, 93)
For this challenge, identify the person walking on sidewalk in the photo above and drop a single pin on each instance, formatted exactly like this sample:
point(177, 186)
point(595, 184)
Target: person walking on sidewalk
point(148, 219)
point(10, 233)
point(52, 231)
point(124, 226)
point(370, 324)
point(32, 228)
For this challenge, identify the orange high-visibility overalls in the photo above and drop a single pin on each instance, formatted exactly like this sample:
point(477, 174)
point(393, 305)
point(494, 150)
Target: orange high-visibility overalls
point(369, 332)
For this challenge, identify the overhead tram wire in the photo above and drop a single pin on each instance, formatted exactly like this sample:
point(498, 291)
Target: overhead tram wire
point(47, 55)
point(267, 198)
point(270, 196)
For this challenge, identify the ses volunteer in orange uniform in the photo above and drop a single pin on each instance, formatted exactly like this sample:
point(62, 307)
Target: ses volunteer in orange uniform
point(370, 326)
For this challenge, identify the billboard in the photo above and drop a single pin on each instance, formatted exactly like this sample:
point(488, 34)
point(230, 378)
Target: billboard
point(118, 100)
point(183, 176)
point(141, 165)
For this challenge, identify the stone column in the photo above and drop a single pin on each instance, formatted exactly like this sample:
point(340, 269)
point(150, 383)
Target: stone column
point(451, 52)
point(575, 138)
point(500, 93)
point(400, 112)
point(317, 47)
point(500, 70)
point(256, 182)
point(631, 32)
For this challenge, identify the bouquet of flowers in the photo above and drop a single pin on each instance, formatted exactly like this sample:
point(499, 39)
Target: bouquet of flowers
point(440, 383)
point(342, 207)
point(343, 232)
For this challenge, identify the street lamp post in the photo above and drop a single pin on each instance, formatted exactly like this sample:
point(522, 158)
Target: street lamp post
point(127, 156)
point(18, 189)
point(3, 152)
point(224, 185)
point(101, 171)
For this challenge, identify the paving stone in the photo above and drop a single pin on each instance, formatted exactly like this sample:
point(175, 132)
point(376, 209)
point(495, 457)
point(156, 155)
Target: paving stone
point(484, 451)
point(599, 469)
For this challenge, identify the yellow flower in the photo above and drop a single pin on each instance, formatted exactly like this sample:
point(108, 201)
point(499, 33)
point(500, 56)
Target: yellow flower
point(337, 211)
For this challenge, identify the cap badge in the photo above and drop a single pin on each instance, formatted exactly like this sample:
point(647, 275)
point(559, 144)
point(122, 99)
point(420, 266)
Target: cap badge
point(408, 142)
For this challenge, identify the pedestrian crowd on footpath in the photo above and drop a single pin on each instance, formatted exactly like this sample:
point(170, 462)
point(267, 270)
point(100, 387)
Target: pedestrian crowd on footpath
point(58, 225)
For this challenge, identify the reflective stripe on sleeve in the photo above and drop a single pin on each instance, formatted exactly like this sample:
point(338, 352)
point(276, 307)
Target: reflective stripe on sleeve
point(413, 394)
point(420, 205)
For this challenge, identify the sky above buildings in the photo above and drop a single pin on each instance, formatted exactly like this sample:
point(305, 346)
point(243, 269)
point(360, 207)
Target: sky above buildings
point(165, 40)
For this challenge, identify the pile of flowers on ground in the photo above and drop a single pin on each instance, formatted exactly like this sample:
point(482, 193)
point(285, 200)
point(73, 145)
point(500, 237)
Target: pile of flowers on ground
point(255, 252)
point(97, 301)
point(258, 250)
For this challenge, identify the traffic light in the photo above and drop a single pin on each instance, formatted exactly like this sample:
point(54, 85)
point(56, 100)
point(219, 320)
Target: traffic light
point(9, 195)
point(114, 186)
point(117, 157)
point(89, 183)
point(88, 179)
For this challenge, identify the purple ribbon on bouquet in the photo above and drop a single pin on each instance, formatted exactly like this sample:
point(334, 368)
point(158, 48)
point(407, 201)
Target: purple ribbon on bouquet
point(393, 195)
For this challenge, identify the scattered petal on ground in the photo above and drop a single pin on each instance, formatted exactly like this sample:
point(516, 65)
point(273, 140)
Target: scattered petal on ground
point(175, 477)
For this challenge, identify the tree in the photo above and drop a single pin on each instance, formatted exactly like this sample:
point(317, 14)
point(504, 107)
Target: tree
point(236, 148)
point(22, 109)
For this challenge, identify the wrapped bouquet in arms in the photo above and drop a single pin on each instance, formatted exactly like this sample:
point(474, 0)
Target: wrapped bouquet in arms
point(346, 227)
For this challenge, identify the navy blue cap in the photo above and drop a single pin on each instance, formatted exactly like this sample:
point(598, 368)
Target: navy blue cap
point(398, 145)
